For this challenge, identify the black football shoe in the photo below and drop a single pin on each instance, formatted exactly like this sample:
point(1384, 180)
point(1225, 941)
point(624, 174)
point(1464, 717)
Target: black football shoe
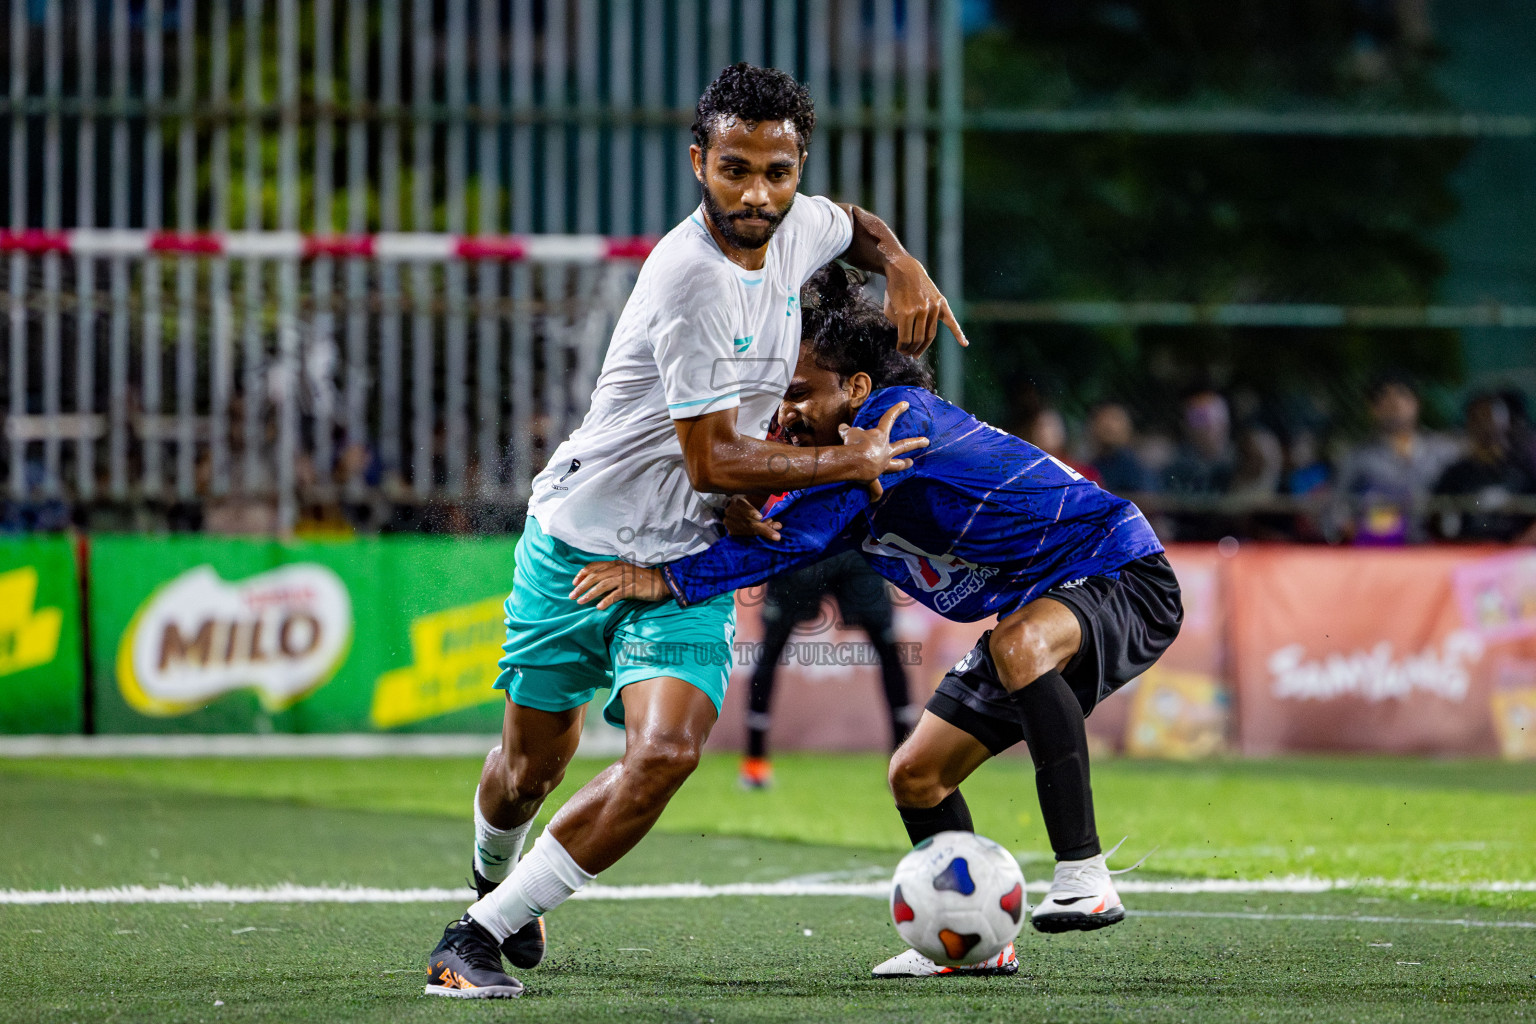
point(467, 965)
point(524, 948)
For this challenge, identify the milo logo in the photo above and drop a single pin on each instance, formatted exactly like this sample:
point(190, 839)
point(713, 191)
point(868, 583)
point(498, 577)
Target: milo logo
point(281, 633)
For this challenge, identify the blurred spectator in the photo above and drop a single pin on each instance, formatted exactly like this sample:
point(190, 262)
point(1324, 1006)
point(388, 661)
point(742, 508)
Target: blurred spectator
point(1522, 436)
point(1388, 29)
point(1047, 431)
point(40, 514)
point(1492, 473)
point(1259, 463)
point(1307, 474)
point(1202, 467)
point(1114, 457)
point(1256, 478)
point(1384, 482)
point(1203, 464)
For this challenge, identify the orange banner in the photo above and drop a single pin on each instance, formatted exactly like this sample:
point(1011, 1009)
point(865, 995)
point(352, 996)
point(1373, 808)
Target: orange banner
point(1413, 651)
point(1422, 650)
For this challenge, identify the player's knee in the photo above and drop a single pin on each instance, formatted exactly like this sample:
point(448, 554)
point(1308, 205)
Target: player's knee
point(522, 781)
point(1022, 651)
point(661, 762)
point(913, 783)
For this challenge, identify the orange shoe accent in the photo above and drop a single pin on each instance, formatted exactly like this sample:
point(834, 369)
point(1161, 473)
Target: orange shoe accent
point(756, 772)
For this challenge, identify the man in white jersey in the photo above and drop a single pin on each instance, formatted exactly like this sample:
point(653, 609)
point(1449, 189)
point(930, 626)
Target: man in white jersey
point(701, 353)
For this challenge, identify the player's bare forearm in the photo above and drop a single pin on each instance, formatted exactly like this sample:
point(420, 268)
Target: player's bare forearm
point(875, 246)
point(721, 460)
point(747, 464)
point(912, 301)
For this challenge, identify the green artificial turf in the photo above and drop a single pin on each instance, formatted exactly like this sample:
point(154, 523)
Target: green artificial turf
point(1364, 954)
point(1360, 818)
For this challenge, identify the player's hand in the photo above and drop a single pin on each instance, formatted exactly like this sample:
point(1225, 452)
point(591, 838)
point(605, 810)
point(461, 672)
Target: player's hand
point(608, 583)
point(877, 452)
point(742, 519)
point(916, 306)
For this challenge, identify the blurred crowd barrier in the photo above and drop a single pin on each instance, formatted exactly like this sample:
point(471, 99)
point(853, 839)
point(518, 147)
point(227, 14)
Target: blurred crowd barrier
point(1268, 476)
point(1283, 649)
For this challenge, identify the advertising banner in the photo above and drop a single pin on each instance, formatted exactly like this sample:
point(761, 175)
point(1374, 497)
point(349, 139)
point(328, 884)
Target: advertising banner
point(1427, 650)
point(41, 667)
point(201, 634)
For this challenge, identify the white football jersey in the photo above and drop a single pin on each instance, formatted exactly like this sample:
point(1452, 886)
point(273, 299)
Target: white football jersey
point(697, 335)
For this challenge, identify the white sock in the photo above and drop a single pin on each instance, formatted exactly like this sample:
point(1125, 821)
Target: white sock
point(543, 880)
point(497, 849)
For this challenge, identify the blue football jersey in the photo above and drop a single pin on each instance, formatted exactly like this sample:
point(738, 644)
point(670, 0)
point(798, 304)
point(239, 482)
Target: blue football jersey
point(980, 524)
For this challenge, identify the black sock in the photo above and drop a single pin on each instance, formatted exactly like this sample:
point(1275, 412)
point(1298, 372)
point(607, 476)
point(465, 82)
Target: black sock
point(1058, 743)
point(950, 815)
point(893, 681)
point(760, 695)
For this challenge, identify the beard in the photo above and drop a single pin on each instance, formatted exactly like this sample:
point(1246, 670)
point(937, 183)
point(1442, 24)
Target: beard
point(727, 223)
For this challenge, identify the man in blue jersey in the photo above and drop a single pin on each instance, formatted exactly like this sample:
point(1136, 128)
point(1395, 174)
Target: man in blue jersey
point(980, 524)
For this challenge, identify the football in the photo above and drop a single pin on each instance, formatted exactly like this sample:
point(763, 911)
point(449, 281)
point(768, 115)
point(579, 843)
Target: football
point(958, 898)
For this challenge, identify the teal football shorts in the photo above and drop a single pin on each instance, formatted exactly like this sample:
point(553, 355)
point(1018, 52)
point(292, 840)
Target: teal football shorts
point(558, 653)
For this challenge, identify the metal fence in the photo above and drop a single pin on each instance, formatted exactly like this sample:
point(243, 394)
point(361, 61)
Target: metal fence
point(277, 374)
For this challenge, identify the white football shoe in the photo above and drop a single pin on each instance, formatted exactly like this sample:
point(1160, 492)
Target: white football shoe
point(1082, 896)
point(913, 964)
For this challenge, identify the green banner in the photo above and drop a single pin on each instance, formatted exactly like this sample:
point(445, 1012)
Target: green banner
point(198, 634)
point(41, 663)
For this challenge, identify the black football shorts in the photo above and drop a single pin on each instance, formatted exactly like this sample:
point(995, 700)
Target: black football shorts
point(1127, 624)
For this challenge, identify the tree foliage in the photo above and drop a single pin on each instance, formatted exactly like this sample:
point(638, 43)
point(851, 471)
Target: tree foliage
point(1200, 218)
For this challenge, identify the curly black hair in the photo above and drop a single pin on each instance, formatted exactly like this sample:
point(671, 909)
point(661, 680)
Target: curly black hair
point(846, 333)
point(755, 94)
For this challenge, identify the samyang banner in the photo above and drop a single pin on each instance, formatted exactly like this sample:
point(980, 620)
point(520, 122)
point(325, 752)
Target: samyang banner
point(41, 666)
point(201, 634)
point(1423, 650)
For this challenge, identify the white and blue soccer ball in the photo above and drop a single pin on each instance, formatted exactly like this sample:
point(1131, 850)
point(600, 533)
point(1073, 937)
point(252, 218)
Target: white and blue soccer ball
point(958, 898)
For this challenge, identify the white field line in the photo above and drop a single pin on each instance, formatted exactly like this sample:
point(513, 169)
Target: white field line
point(288, 893)
point(1464, 922)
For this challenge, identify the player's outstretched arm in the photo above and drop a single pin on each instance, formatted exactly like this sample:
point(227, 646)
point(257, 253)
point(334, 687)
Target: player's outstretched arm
point(912, 301)
point(721, 460)
point(815, 526)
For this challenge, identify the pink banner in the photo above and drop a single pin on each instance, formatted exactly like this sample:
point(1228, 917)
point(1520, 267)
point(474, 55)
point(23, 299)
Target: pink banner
point(1413, 651)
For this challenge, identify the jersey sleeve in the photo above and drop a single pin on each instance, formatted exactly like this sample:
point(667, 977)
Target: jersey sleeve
point(915, 421)
point(692, 339)
point(824, 231)
point(815, 524)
